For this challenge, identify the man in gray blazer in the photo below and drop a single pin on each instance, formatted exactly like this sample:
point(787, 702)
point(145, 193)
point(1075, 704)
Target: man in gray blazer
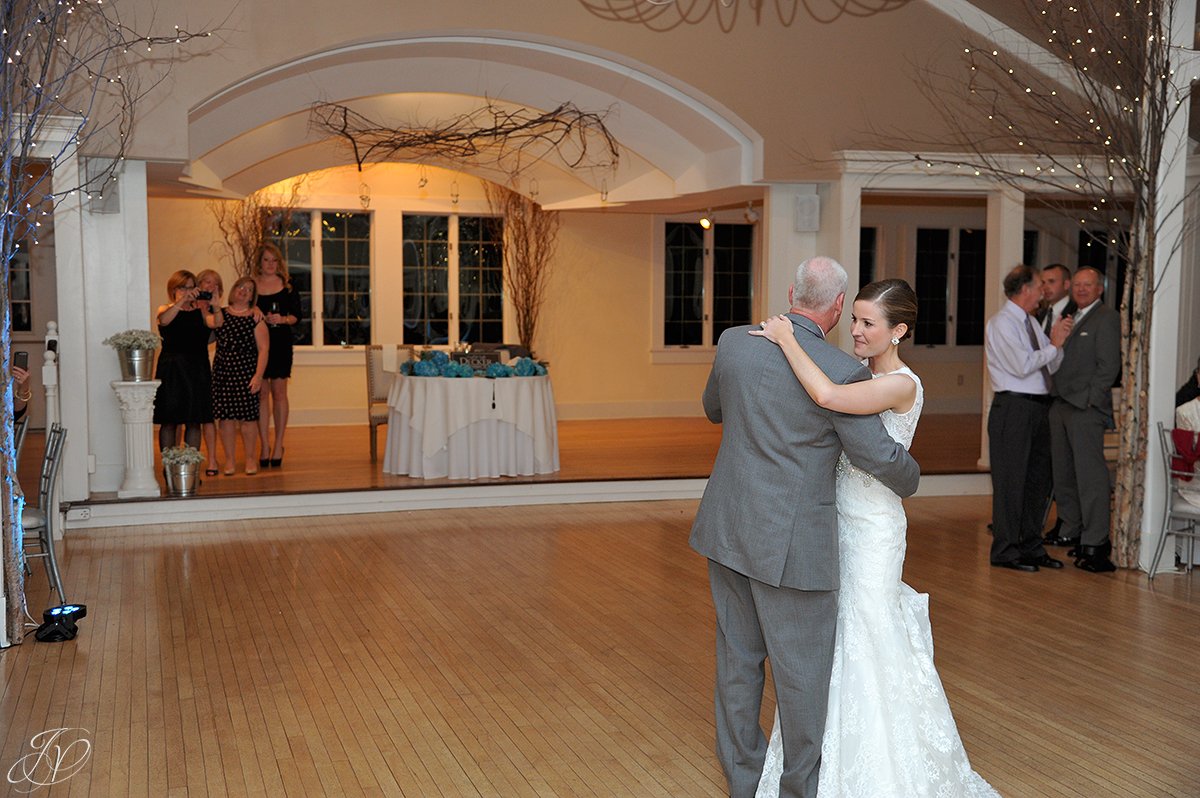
point(1082, 410)
point(768, 526)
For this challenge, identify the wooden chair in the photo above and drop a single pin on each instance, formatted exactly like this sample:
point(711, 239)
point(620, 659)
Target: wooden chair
point(1180, 516)
point(38, 522)
point(379, 383)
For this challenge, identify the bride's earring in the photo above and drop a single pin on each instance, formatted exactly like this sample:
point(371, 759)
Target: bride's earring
point(895, 341)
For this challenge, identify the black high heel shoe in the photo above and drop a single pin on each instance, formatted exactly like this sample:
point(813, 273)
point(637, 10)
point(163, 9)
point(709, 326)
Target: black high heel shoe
point(276, 462)
point(264, 462)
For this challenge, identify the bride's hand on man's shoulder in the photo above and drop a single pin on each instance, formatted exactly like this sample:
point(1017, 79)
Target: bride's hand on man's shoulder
point(775, 329)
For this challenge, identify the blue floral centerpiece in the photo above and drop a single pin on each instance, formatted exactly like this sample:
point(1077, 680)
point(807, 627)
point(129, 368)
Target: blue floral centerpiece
point(435, 363)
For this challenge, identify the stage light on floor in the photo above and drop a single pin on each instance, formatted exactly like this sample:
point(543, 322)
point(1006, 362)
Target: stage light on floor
point(58, 623)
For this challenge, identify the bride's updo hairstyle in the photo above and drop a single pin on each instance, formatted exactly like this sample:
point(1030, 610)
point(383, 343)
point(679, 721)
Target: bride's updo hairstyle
point(895, 299)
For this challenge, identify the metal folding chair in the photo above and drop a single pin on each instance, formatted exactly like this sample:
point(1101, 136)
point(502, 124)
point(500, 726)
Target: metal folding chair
point(38, 522)
point(1180, 516)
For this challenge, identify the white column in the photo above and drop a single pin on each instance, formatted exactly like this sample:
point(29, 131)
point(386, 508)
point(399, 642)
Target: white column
point(136, 400)
point(1005, 249)
point(841, 237)
point(1169, 296)
point(783, 245)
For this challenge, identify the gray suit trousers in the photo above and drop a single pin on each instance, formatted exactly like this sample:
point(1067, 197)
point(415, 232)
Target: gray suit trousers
point(1081, 481)
point(796, 629)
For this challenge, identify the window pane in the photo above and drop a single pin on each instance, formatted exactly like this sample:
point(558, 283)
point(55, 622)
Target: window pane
point(733, 259)
point(426, 279)
point(346, 279)
point(933, 285)
point(972, 263)
point(868, 241)
point(683, 320)
point(291, 231)
point(480, 279)
point(20, 298)
point(1030, 249)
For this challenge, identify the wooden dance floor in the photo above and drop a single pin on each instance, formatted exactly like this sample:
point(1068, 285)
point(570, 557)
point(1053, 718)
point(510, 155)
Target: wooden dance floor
point(548, 651)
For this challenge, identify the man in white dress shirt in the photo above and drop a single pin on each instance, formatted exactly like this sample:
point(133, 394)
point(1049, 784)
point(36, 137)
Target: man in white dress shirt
point(1020, 360)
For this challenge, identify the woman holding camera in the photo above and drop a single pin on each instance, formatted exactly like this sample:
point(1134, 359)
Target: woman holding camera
point(212, 289)
point(280, 304)
point(185, 396)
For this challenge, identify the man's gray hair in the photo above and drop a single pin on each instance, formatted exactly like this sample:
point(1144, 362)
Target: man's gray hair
point(819, 280)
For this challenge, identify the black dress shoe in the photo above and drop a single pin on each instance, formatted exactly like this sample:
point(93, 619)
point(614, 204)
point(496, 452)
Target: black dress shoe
point(1042, 561)
point(1096, 563)
point(264, 462)
point(1018, 565)
point(1055, 540)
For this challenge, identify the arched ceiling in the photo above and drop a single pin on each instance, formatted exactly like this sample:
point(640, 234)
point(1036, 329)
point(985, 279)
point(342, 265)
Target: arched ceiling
point(672, 141)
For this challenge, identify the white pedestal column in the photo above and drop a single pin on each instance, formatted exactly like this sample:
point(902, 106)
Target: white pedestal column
point(136, 400)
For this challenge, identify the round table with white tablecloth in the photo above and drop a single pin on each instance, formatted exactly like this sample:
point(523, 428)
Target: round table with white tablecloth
point(471, 428)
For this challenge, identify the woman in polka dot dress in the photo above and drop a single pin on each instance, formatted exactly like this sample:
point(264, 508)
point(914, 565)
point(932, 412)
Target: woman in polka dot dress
point(238, 366)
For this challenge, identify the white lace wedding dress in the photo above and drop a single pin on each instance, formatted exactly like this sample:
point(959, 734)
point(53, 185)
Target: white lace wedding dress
point(888, 732)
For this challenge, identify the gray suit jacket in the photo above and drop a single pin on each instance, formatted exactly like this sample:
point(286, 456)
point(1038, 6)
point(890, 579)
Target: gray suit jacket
point(769, 509)
point(1091, 361)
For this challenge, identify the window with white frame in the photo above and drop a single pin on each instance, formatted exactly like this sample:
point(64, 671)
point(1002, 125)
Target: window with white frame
point(708, 281)
point(329, 262)
point(453, 279)
point(950, 282)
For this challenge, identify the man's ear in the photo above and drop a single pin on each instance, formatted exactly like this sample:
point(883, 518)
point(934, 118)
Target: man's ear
point(791, 298)
point(839, 302)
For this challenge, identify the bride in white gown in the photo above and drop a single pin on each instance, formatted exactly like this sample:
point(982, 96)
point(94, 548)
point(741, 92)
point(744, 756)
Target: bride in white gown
point(889, 732)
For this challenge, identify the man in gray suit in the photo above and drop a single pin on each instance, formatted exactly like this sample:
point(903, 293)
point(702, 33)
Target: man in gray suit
point(768, 526)
point(1081, 412)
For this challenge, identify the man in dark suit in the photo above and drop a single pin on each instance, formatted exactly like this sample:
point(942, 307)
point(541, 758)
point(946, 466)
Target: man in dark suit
point(1056, 296)
point(1056, 303)
point(768, 526)
point(1082, 410)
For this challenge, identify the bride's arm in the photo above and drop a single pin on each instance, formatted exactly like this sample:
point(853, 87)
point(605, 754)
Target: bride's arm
point(868, 397)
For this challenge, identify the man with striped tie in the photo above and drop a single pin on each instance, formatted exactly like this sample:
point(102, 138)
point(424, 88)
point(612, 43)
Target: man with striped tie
point(1020, 360)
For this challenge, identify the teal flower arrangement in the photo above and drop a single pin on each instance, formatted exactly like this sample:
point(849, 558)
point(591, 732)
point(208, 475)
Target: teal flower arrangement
point(499, 370)
point(457, 369)
point(434, 363)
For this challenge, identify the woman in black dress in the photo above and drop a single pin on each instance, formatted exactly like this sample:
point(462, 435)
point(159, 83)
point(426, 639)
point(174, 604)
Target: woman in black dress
point(185, 396)
point(280, 304)
point(238, 372)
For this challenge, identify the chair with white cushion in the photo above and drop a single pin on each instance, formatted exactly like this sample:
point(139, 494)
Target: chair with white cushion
point(1181, 515)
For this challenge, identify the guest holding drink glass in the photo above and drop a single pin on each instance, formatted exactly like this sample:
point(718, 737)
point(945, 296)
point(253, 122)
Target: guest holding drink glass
point(280, 304)
point(184, 399)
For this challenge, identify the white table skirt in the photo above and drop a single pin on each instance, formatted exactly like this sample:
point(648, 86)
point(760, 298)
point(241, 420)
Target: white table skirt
point(471, 428)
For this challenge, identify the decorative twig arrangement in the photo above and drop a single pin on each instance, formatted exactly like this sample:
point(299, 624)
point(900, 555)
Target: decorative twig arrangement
point(1091, 127)
point(509, 139)
point(530, 238)
point(245, 224)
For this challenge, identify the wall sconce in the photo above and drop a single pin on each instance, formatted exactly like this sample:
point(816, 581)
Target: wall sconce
point(454, 192)
point(752, 216)
point(364, 195)
point(706, 219)
point(423, 177)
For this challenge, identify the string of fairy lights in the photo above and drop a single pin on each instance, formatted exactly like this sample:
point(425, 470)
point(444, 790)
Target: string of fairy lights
point(62, 56)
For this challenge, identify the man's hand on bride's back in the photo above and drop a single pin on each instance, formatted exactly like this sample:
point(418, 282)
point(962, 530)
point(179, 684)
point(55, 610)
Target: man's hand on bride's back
point(775, 329)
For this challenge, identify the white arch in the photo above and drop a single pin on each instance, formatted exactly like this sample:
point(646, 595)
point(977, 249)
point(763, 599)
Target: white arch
point(674, 140)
